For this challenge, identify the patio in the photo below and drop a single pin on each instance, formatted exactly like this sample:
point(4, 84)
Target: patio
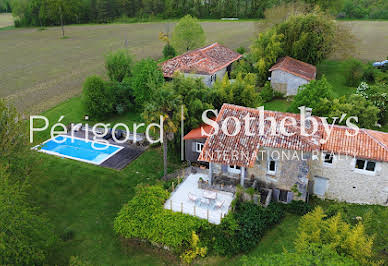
point(179, 200)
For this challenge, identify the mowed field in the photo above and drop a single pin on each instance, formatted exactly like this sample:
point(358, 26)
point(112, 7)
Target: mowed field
point(38, 69)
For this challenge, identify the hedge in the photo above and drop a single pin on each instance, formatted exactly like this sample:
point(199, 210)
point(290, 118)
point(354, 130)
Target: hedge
point(144, 217)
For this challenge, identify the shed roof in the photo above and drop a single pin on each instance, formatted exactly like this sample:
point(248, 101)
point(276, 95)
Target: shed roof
point(206, 60)
point(196, 133)
point(295, 67)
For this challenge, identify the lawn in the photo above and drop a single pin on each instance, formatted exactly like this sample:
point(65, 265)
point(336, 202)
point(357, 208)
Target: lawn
point(40, 70)
point(82, 200)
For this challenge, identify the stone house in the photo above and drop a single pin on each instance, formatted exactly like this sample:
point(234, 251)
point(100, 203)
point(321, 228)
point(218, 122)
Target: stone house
point(288, 74)
point(210, 63)
point(345, 168)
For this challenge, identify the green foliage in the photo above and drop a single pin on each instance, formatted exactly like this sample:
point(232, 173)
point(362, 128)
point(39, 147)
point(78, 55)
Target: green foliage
point(76, 261)
point(242, 67)
point(144, 217)
point(25, 236)
point(242, 230)
point(241, 50)
point(309, 38)
point(355, 74)
point(188, 34)
point(268, 94)
point(241, 92)
point(118, 65)
point(378, 95)
point(317, 95)
point(265, 50)
point(298, 207)
point(334, 233)
point(355, 105)
point(312, 256)
point(195, 250)
point(146, 78)
point(121, 95)
point(96, 97)
point(168, 51)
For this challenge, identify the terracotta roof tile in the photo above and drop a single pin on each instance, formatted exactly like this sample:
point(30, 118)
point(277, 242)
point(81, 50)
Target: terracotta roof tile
point(206, 60)
point(196, 133)
point(295, 67)
point(368, 144)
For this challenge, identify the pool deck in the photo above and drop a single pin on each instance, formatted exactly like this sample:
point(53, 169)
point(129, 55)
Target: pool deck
point(121, 159)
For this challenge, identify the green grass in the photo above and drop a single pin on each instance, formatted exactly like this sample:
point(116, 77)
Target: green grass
point(334, 72)
point(280, 105)
point(84, 199)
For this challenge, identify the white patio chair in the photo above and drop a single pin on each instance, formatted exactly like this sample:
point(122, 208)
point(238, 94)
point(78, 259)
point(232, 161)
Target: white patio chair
point(219, 204)
point(193, 197)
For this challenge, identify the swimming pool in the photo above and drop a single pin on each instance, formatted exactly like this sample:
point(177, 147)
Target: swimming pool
point(78, 149)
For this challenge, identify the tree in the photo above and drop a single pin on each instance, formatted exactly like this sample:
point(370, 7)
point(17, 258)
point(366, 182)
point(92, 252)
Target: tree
point(356, 105)
point(188, 34)
point(146, 78)
point(118, 65)
point(62, 9)
point(166, 104)
point(265, 51)
point(309, 38)
point(318, 95)
point(96, 99)
point(378, 95)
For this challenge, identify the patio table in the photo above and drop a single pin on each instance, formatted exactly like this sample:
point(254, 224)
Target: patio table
point(210, 195)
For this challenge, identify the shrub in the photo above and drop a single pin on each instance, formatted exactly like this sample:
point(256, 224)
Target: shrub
point(242, 230)
point(298, 207)
point(118, 65)
point(144, 217)
point(195, 250)
point(355, 74)
point(242, 67)
point(121, 94)
point(96, 99)
point(267, 93)
point(146, 78)
point(168, 51)
point(241, 50)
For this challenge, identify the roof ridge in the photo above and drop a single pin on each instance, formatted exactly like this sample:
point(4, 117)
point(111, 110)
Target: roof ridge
point(375, 139)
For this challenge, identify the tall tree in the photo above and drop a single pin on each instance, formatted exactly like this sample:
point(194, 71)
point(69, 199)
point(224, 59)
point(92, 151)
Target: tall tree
point(61, 10)
point(188, 34)
point(166, 104)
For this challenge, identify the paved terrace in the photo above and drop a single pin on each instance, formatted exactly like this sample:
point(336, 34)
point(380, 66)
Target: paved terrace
point(179, 200)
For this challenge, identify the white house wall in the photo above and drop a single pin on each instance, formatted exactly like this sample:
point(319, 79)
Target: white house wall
point(345, 183)
point(207, 78)
point(286, 83)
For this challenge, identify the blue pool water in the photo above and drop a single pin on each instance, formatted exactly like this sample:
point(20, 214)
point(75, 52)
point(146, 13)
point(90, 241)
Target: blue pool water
point(79, 149)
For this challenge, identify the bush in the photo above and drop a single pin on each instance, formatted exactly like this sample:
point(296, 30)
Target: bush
point(298, 207)
point(121, 94)
point(96, 99)
point(144, 217)
point(242, 230)
point(241, 50)
point(267, 93)
point(168, 51)
point(355, 74)
point(118, 65)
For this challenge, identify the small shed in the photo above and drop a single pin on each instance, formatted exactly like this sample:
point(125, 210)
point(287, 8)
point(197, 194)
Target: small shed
point(194, 142)
point(288, 74)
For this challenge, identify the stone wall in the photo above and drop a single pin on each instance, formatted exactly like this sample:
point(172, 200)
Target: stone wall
point(286, 83)
point(346, 183)
point(207, 78)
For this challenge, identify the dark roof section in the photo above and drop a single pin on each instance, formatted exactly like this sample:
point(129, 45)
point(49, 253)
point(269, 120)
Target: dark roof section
point(295, 67)
point(206, 60)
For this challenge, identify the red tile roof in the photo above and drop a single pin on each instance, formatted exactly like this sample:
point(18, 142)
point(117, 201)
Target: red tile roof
point(249, 145)
point(368, 144)
point(196, 133)
point(295, 67)
point(206, 60)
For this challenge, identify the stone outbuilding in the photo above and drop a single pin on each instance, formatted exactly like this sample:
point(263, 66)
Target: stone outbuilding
point(210, 63)
point(288, 74)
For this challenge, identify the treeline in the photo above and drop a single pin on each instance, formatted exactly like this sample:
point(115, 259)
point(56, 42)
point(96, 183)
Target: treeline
point(47, 12)
point(5, 6)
